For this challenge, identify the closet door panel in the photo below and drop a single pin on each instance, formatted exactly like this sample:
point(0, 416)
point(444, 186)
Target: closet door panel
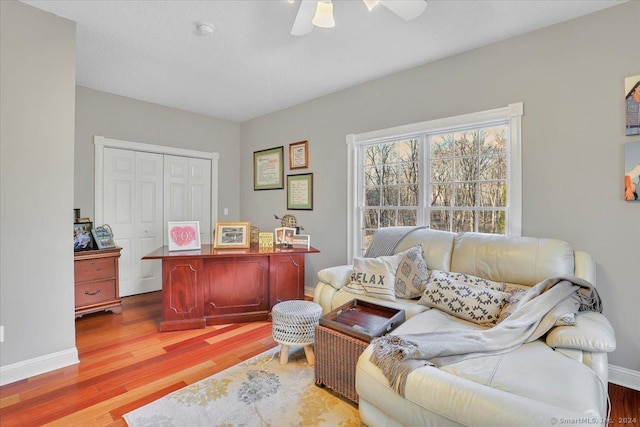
point(148, 220)
point(200, 196)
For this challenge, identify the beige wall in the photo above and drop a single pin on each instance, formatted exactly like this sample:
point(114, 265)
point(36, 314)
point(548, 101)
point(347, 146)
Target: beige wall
point(37, 83)
point(571, 80)
point(118, 117)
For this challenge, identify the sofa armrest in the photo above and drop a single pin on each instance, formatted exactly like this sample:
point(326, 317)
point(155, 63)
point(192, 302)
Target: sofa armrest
point(592, 333)
point(337, 277)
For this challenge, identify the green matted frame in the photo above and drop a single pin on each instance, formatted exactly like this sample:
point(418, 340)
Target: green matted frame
point(268, 169)
point(300, 191)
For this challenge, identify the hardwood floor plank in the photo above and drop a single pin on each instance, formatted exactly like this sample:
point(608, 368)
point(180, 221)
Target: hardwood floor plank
point(126, 363)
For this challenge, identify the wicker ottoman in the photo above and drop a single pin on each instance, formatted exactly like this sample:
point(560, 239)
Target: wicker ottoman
point(294, 324)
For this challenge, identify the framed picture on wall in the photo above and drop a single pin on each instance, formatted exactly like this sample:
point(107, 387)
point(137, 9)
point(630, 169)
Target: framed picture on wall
point(632, 105)
point(268, 169)
point(299, 155)
point(631, 171)
point(300, 191)
point(184, 235)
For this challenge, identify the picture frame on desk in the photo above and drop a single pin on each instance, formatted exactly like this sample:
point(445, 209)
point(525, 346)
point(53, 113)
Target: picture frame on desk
point(82, 237)
point(232, 235)
point(103, 236)
point(184, 235)
point(284, 235)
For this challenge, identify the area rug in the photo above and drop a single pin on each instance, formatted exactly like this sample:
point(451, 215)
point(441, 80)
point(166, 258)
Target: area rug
point(257, 392)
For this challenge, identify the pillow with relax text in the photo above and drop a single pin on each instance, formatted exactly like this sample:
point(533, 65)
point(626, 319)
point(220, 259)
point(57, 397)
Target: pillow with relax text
point(412, 274)
point(374, 277)
point(474, 303)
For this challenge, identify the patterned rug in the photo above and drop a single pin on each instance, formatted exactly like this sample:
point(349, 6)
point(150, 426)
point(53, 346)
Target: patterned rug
point(257, 392)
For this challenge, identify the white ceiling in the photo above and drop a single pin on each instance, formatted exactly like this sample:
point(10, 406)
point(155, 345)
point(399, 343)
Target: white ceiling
point(251, 65)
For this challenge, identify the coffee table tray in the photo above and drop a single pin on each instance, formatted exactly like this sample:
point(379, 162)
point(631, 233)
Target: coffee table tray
point(363, 320)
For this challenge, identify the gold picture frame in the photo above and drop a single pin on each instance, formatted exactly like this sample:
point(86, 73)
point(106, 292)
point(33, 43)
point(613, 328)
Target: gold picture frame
point(268, 169)
point(299, 155)
point(232, 235)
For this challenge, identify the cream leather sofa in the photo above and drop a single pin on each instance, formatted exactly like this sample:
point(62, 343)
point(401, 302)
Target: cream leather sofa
point(559, 379)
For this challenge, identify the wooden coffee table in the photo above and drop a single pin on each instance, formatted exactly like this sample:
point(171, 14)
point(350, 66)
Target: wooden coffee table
point(342, 336)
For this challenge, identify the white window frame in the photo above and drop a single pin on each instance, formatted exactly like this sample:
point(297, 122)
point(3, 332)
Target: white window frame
point(512, 113)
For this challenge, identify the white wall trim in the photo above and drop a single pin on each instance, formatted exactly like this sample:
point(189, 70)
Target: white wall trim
point(625, 377)
point(38, 365)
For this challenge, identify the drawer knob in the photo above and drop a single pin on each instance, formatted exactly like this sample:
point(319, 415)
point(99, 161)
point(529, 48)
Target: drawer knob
point(92, 293)
point(98, 268)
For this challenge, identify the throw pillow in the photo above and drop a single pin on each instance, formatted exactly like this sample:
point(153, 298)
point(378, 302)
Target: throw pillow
point(374, 277)
point(412, 274)
point(476, 304)
point(468, 279)
point(568, 319)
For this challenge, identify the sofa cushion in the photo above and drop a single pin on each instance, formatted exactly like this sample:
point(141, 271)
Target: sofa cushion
point(478, 304)
point(374, 277)
point(412, 274)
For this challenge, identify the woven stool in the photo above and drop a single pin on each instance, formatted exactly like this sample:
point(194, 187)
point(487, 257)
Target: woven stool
point(294, 324)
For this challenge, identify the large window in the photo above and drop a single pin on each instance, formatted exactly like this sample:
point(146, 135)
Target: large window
point(458, 174)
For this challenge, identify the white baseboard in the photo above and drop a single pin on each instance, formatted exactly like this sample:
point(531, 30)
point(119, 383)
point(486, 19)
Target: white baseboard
point(624, 377)
point(38, 365)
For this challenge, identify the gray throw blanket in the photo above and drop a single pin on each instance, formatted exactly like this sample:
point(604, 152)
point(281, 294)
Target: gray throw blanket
point(385, 240)
point(536, 314)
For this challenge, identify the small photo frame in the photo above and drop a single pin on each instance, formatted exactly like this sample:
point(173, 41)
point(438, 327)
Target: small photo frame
point(268, 169)
point(103, 236)
point(82, 238)
point(300, 191)
point(184, 235)
point(299, 155)
point(232, 235)
point(284, 235)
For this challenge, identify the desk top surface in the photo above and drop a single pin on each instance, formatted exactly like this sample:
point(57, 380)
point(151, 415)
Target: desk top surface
point(208, 251)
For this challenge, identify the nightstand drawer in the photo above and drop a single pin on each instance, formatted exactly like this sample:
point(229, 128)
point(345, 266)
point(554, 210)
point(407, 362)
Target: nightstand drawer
point(94, 269)
point(95, 292)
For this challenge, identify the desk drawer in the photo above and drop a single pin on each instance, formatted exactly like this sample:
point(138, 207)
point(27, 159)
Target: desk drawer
point(94, 269)
point(95, 292)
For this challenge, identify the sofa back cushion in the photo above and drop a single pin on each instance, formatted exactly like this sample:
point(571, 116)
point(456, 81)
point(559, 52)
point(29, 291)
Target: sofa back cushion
point(509, 259)
point(437, 247)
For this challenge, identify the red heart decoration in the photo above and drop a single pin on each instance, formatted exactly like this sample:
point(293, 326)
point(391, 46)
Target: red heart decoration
point(183, 236)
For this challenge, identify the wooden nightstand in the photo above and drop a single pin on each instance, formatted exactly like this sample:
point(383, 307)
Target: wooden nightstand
point(96, 281)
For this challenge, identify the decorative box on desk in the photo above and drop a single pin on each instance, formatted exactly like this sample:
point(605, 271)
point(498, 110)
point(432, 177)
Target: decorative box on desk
point(96, 281)
point(342, 336)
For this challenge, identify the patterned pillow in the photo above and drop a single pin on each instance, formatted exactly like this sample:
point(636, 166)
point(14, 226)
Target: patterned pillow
point(467, 278)
point(374, 277)
point(474, 303)
point(412, 274)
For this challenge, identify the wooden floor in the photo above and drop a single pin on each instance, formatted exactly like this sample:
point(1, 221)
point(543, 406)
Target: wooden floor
point(126, 363)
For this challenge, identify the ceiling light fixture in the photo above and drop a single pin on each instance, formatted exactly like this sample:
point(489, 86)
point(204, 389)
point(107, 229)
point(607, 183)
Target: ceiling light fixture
point(205, 29)
point(371, 4)
point(324, 15)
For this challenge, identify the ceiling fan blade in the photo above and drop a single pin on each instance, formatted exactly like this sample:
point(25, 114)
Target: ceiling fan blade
point(302, 25)
point(406, 9)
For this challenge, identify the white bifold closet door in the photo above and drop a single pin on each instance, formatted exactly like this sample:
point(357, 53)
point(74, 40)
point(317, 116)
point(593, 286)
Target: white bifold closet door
point(142, 192)
point(133, 207)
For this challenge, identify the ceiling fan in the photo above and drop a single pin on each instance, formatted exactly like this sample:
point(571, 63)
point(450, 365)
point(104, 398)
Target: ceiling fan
point(319, 13)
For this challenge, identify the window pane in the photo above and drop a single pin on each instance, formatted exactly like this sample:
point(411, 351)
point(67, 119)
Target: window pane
point(493, 167)
point(495, 140)
point(371, 155)
point(408, 173)
point(492, 222)
point(372, 196)
point(408, 195)
point(371, 176)
point(387, 218)
point(390, 196)
point(493, 194)
point(368, 235)
point(441, 170)
point(441, 146)
point(389, 175)
point(465, 169)
point(439, 220)
point(441, 195)
point(370, 218)
point(466, 143)
point(407, 217)
point(463, 221)
point(465, 194)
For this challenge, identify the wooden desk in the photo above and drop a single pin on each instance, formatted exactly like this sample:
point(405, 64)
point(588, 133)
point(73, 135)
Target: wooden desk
point(217, 286)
